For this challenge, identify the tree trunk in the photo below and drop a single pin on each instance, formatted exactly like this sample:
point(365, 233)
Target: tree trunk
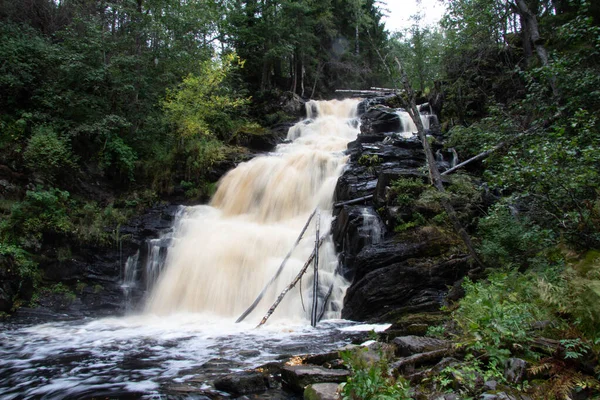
point(434, 173)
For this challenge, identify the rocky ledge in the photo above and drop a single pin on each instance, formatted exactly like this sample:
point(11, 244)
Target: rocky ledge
point(393, 273)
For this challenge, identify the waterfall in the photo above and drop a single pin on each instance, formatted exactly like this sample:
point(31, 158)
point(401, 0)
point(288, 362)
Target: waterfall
point(408, 127)
point(224, 253)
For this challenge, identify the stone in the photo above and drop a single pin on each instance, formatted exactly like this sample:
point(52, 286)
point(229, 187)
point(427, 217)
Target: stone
point(242, 383)
point(297, 377)
point(380, 119)
point(356, 227)
point(382, 293)
point(490, 385)
point(322, 391)
point(515, 370)
point(409, 345)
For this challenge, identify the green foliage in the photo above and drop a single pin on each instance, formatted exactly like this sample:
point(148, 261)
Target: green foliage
point(19, 261)
point(575, 292)
point(467, 377)
point(510, 241)
point(371, 380)
point(407, 190)
point(497, 314)
point(41, 215)
point(202, 105)
point(47, 153)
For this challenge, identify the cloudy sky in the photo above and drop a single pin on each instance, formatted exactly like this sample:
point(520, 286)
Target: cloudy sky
point(401, 10)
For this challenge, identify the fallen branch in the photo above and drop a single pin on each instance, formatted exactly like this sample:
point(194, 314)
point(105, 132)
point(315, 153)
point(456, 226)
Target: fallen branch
point(353, 201)
point(422, 358)
point(292, 284)
point(287, 257)
point(315, 302)
point(506, 143)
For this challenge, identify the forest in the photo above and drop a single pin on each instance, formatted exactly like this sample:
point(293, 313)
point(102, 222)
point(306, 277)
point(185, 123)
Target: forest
point(108, 107)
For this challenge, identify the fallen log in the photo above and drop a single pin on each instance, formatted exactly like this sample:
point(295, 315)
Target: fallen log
point(353, 201)
point(422, 358)
point(315, 302)
point(292, 284)
point(285, 260)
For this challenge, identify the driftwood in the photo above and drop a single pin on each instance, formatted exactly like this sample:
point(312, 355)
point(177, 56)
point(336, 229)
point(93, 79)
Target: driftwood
point(293, 283)
point(434, 173)
point(287, 257)
point(544, 124)
point(353, 201)
point(422, 358)
point(478, 157)
point(315, 301)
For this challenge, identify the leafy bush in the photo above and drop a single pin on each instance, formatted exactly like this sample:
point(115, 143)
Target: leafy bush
point(19, 260)
point(407, 190)
point(43, 213)
point(508, 241)
point(498, 313)
point(202, 105)
point(371, 380)
point(47, 153)
point(575, 293)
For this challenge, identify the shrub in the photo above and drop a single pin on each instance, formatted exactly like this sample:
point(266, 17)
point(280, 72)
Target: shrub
point(47, 153)
point(371, 380)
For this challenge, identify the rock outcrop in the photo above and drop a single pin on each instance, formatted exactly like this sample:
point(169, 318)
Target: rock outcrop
point(392, 273)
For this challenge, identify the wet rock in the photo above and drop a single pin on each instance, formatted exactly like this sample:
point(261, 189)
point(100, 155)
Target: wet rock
point(490, 385)
point(242, 383)
point(322, 391)
point(356, 227)
point(261, 140)
point(515, 370)
point(379, 120)
point(297, 377)
point(291, 103)
point(395, 287)
point(409, 345)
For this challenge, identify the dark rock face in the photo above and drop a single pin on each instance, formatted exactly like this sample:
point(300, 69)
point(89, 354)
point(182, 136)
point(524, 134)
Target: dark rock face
point(297, 377)
point(414, 285)
point(242, 383)
point(409, 345)
point(381, 120)
point(397, 273)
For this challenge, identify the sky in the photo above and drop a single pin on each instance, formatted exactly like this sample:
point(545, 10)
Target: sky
point(401, 10)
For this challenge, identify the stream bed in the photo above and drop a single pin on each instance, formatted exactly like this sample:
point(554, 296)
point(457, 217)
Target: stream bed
point(146, 356)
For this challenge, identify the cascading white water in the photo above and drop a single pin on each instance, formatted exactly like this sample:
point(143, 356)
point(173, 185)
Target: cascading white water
point(224, 253)
point(408, 127)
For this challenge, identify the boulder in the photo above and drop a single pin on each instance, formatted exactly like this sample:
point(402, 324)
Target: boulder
point(242, 383)
point(297, 377)
point(394, 289)
point(409, 345)
point(379, 120)
point(515, 370)
point(355, 228)
point(322, 391)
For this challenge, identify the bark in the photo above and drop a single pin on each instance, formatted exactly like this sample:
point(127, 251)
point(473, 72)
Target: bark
point(293, 283)
point(315, 302)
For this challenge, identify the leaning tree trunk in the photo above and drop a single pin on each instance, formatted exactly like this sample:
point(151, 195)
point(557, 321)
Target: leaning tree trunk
point(531, 27)
point(434, 173)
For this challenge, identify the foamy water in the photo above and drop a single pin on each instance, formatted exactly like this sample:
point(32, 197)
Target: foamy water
point(222, 256)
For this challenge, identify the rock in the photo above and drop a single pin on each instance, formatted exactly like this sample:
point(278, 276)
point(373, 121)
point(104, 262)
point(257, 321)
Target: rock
point(292, 104)
point(322, 391)
point(355, 227)
point(380, 119)
point(242, 383)
point(297, 377)
point(409, 345)
point(391, 283)
point(515, 370)
point(490, 385)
